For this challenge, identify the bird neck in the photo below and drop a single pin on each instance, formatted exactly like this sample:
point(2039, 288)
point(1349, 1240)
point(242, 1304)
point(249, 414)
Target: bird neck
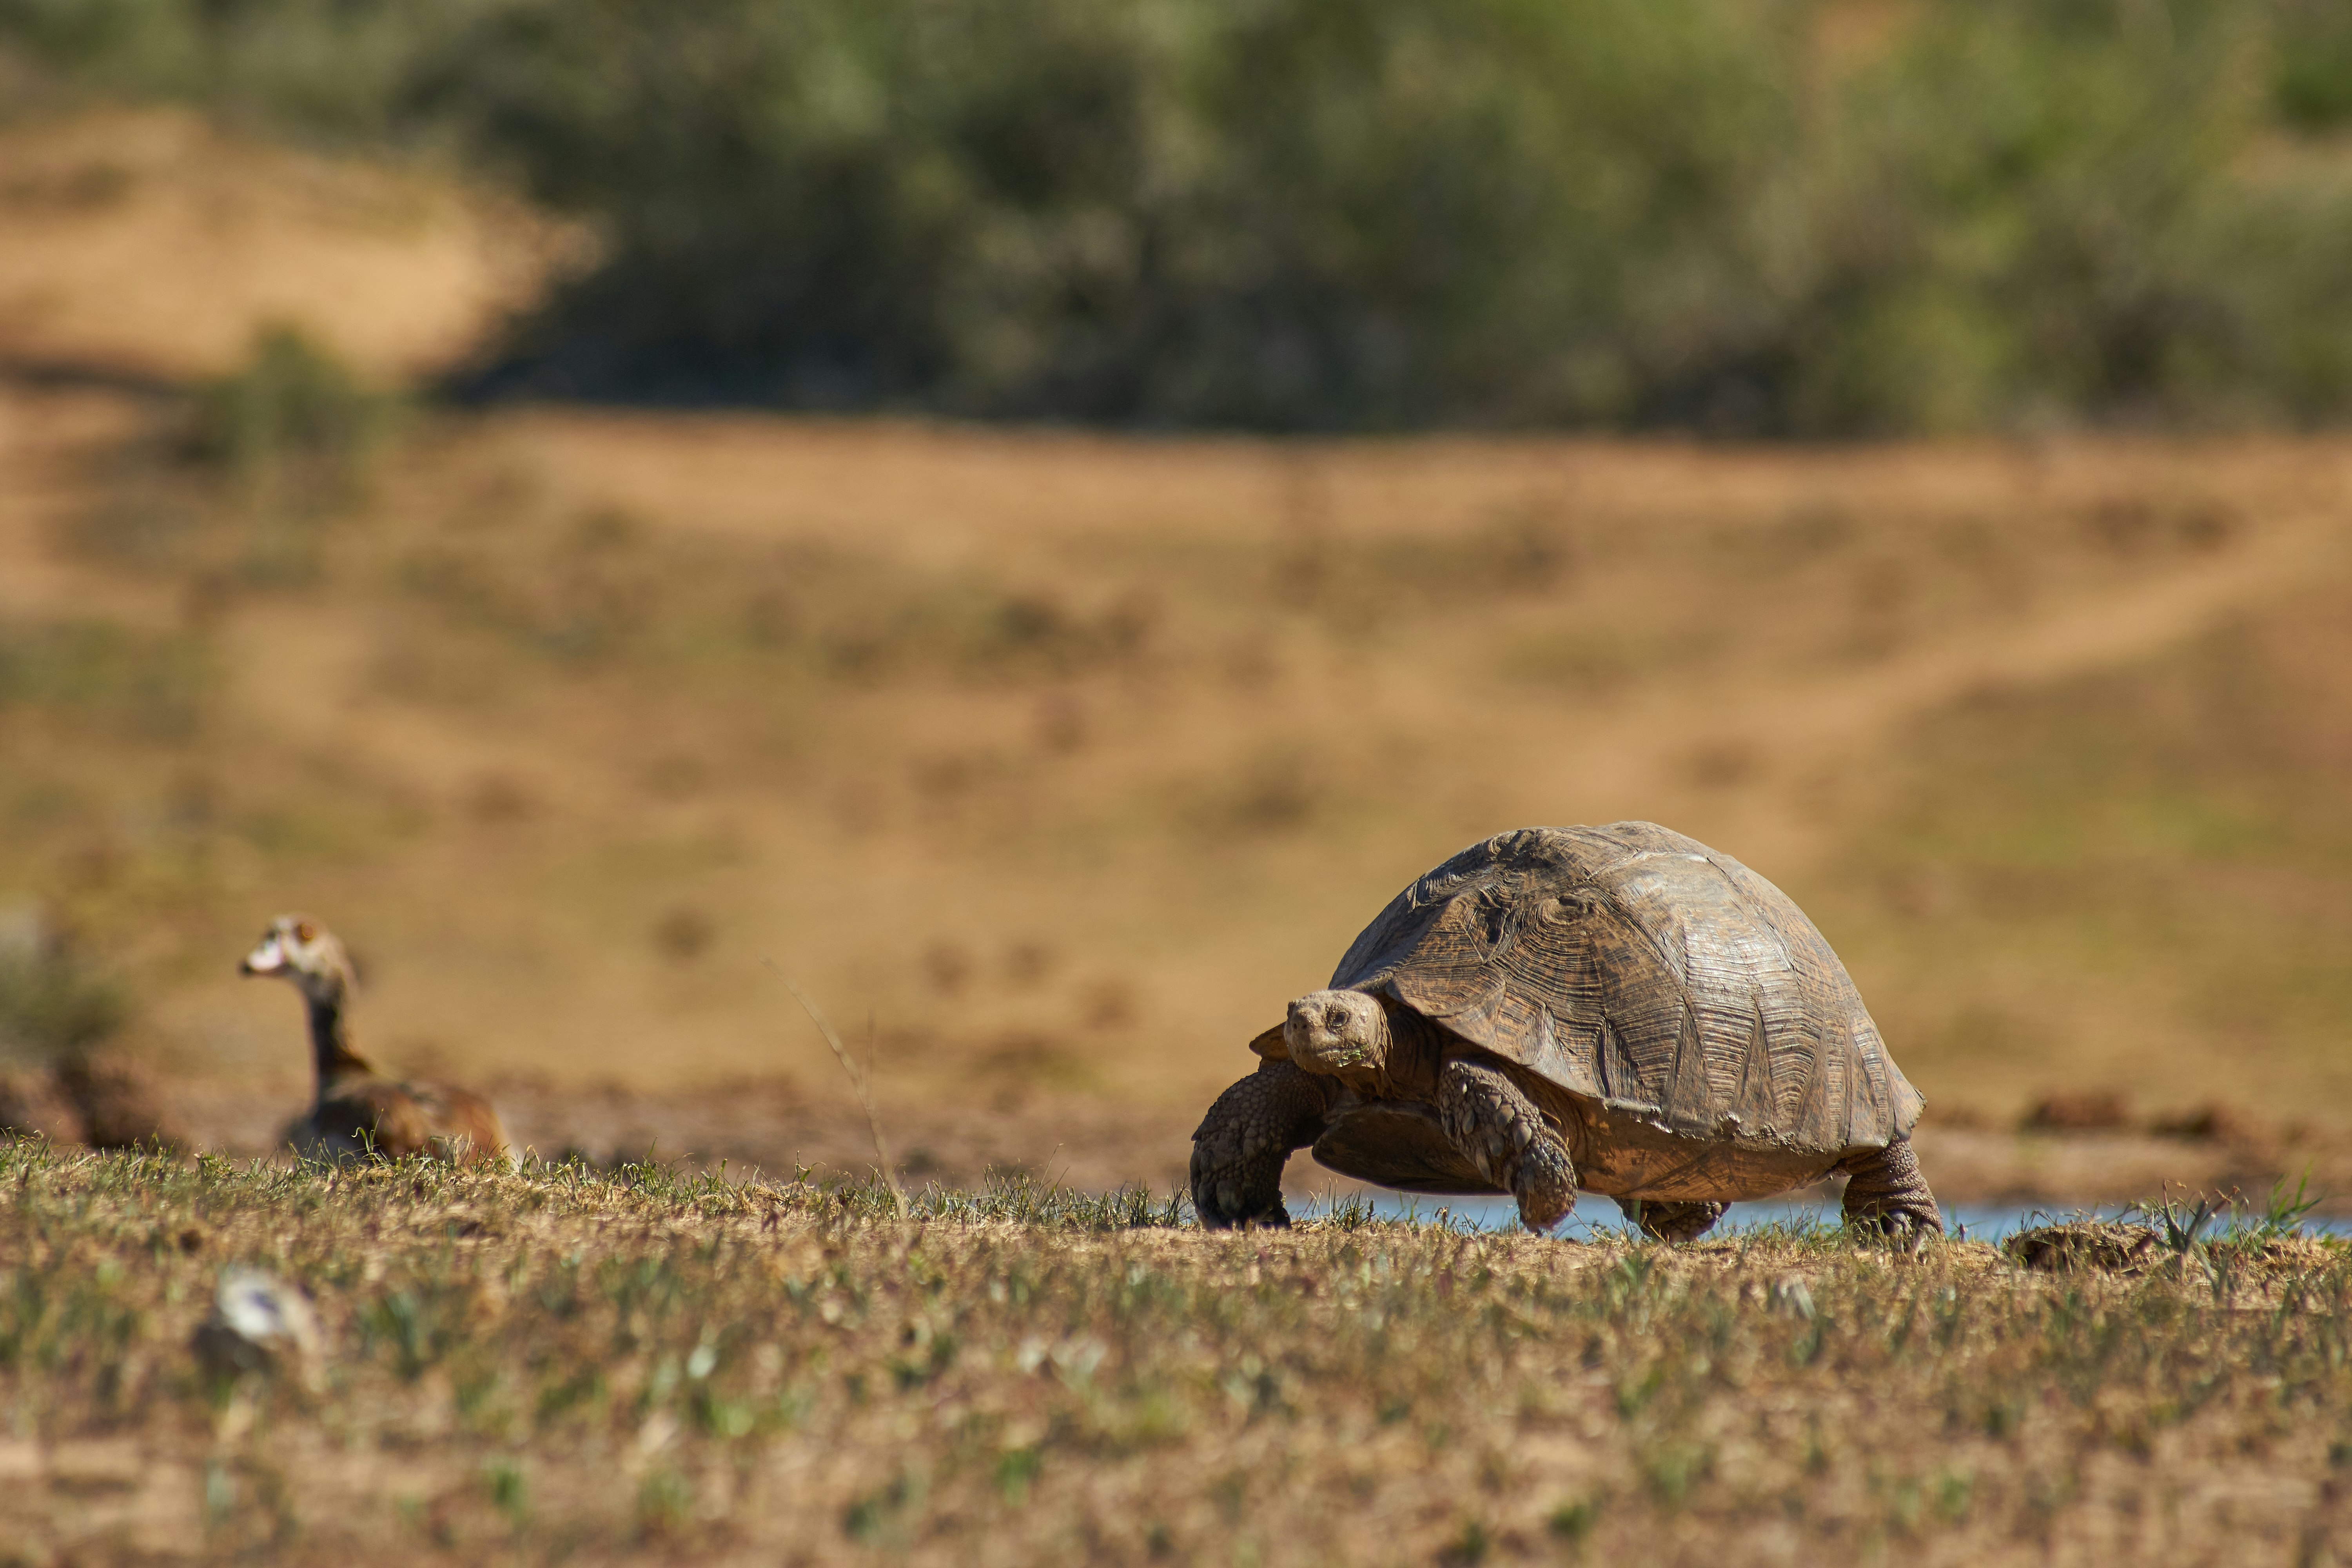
point(331, 1041)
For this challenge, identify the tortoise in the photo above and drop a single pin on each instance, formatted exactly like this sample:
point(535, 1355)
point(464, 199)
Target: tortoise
point(1619, 1008)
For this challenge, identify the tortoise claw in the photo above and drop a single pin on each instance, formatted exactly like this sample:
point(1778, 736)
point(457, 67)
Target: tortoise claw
point(1886, 1196)
point(1239, 1151)
point(1545, 1185)
point(1904, 1230)
point(1229, 1204)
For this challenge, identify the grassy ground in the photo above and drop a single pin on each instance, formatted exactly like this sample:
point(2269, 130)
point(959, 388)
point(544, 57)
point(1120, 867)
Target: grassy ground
point(557, 1366)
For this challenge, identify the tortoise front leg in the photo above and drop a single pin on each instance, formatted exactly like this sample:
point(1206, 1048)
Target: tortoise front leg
point(1886, 1193)
point(1499, 1131)
point(1243, 1141)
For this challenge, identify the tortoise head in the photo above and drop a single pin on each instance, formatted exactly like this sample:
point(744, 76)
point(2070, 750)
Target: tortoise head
point(302, 951)
point(1340, 1033)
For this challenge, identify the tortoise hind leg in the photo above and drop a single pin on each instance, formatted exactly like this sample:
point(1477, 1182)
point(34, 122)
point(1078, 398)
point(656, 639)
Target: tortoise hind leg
point(1672, 1221)
point(1886, 1193)
point(1499, 1131)
point(1243, 1141)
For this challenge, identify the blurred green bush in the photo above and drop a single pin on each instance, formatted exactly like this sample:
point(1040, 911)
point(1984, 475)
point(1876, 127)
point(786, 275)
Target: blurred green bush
point(291, 405)
point(1737, 216)
point(53, 1005)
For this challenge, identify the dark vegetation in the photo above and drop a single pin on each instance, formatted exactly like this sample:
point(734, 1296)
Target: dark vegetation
point(293, 424)
point(59, 1011)
point(1762, 217)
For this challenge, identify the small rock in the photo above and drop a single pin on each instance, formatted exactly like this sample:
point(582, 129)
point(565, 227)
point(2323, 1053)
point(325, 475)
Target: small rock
point(260, 1323)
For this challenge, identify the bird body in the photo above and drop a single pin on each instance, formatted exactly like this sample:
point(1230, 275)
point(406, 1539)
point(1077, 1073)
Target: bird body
point(368, 1113)
point(355, 1110)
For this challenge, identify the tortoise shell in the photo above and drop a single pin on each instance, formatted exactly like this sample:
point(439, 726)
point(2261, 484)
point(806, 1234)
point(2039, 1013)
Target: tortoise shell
point(1663, 984)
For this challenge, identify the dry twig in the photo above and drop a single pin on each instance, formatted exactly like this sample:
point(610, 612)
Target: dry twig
point(860, 1085)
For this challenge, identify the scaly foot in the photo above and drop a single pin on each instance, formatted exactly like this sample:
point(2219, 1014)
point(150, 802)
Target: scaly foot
point(1887, 1194)
point(1499, 1131)
point(1247, 1138)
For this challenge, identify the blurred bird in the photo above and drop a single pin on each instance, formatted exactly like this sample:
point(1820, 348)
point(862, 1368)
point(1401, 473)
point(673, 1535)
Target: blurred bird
point(357, 1110)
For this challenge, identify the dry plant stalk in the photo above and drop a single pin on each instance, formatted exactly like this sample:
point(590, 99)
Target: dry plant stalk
point(860, 1085)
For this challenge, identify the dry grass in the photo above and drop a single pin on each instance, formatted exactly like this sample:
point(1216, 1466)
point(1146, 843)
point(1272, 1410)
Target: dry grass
point(558, 1366)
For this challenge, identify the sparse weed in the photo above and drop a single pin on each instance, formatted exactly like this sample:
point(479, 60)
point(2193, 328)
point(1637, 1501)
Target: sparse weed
point(2283, 1213)
point(293, 422)
point(2183, 1226)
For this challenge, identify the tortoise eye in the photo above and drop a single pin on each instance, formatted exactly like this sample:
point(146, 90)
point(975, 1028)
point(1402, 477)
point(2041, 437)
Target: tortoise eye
point(305, 931)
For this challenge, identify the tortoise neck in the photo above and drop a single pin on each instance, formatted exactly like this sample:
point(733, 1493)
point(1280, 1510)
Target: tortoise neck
point(1416, 1050)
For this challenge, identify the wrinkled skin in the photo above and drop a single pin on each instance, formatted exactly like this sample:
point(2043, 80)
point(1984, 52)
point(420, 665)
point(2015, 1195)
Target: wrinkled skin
point(1886, 1193)
point(1498, 1127)
point(1339, 1043)
point(1246, 1140)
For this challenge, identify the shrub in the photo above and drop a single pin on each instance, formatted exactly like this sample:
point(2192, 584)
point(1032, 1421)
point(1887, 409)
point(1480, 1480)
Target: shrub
point(1365, 213)
point(293, 413)
point(1310, 213)
point(55, 1006)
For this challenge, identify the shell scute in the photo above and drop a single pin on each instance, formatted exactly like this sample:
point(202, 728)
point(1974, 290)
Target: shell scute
point(1633, 966)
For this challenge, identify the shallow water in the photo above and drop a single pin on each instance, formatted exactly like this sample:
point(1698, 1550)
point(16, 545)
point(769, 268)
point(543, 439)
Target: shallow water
point(1594, 1215)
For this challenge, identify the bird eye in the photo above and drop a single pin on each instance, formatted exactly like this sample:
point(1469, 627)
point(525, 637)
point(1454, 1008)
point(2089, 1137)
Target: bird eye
point(306, 932)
